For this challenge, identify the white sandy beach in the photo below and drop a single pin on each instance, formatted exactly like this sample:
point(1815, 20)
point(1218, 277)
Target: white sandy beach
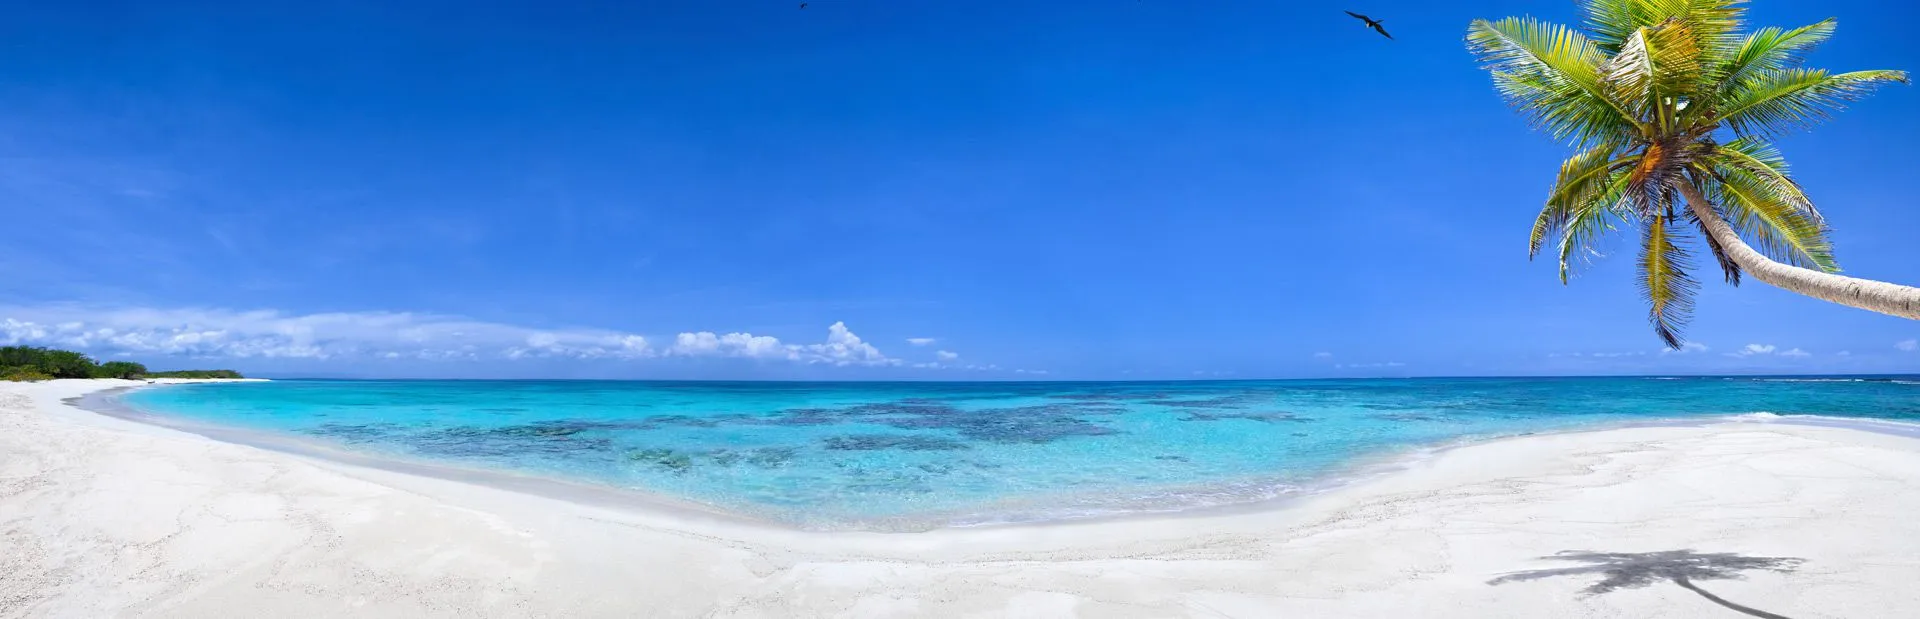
point(105, 517)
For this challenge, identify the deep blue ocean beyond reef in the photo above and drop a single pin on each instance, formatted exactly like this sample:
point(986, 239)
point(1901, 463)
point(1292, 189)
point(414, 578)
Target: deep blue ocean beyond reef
point(915, 455)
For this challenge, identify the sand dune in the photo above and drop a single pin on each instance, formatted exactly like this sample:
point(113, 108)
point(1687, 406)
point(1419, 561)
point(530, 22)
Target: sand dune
point(106, 517)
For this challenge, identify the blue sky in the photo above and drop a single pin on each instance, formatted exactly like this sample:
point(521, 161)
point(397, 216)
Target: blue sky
point(1099, 189)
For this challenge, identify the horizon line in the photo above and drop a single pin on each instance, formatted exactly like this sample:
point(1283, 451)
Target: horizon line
point(1100, 380)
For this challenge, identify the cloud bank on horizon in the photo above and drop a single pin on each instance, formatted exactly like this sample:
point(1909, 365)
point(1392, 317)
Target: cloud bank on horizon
point(268, 334)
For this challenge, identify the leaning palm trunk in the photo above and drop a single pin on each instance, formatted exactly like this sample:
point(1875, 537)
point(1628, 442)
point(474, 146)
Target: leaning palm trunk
point(1866, 294)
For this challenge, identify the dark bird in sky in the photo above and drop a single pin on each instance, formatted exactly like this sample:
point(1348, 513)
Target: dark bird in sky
point(1371, 23)
point(803, 5)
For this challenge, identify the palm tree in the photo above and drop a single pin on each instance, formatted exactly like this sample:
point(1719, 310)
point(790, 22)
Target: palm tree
point(1670, 109)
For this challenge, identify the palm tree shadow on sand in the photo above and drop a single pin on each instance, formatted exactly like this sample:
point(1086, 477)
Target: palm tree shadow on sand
point(1632, 570)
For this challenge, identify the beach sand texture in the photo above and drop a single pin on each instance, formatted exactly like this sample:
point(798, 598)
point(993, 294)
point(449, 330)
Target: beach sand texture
point(106, 517)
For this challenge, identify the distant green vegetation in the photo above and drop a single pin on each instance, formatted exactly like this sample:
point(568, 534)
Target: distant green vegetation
point(195, 374)
point(28, 363)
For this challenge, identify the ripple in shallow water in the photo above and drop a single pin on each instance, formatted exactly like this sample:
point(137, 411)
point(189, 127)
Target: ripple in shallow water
point(1265, 417)
point(876, 442)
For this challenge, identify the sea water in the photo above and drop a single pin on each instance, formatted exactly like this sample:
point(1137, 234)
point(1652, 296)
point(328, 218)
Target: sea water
point(919, 455)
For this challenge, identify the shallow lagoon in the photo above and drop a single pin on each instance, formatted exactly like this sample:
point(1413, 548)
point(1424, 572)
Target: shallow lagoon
point(919, 455)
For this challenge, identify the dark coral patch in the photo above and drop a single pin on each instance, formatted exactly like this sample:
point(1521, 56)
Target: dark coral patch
point(772, 457)
point(356, 433)
point(1147, 396)
point(1263, 417)
point(679, 461)
point(667, 459)
point(878, 442)
point(1237, 400)
point(548, 438)
point(1027, 424)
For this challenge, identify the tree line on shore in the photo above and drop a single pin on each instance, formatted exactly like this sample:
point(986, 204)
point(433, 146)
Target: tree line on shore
point(27, 363)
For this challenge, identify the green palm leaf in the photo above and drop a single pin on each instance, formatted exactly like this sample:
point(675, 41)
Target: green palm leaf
point(1773, 49)
point(1588, 221)
point(1779, 101)
point(1584, 177)
point(1656, 68)
point(1779, 228)
point(1551, 73)
point(1664, 281)
point(1613, 22)
point(1758, 158)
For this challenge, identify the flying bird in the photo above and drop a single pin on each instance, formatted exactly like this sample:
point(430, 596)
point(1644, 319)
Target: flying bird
point(1371, 23)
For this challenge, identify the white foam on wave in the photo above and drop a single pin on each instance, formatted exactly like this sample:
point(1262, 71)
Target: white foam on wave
point(1762, 416)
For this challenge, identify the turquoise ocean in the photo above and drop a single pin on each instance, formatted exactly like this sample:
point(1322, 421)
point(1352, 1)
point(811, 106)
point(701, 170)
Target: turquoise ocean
point(903, 456)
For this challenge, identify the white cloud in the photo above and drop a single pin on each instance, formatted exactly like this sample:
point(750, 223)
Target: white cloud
point(1685, 348)
point(841, 348)
point(744, 345)
point(1762, 350)
point(218, 333)
point(947, 356)
point(921, 341)
point(1357, 366)
point(845, 348)
point(1843, 353)
point(1907, 345)
point(1323, 355)
point(270, 334)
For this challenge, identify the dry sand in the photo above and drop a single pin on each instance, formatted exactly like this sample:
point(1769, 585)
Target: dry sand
point(106, 517)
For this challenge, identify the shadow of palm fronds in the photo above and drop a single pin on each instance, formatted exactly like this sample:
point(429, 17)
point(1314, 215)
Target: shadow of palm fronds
point(1629, 570)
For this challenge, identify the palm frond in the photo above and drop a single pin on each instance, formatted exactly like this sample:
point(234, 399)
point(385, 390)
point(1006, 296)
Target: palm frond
point(1773, 49)
point(1551, 73)
point(1584, 177)
point(1567, 114)
point(1715, 24)
point(1778, 101)
point(1656, 69)
point(1613, 22)
point(1587, 221)
point(1728, 268)
point(1778, 228)
point(1664, 280)
point(1756, 157)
